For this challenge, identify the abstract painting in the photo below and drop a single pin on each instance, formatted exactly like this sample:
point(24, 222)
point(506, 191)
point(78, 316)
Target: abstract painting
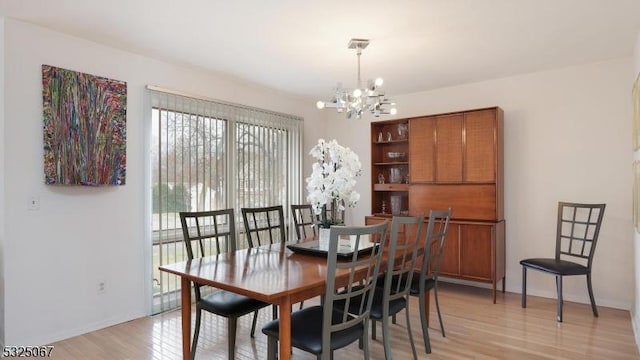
point(84, 128)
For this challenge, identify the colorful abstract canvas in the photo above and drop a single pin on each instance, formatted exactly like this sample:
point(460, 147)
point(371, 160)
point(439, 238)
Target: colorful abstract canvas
point(84, 128)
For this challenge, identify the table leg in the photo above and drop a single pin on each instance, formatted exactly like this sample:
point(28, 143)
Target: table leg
point(285, 329)
point(185, 292)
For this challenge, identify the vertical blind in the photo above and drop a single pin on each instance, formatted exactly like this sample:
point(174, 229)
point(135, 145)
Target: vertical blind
point(210, 155)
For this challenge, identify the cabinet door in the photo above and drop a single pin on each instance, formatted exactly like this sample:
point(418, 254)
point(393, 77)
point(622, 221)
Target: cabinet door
point(480, 146)
point(449, 148)
point(421, 150)
point(451, 256)
point(475, 251)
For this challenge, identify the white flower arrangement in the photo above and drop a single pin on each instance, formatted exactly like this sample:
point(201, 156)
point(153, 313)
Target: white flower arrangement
point(332, 179)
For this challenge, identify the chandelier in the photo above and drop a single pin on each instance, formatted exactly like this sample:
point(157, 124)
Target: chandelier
point(361, 99)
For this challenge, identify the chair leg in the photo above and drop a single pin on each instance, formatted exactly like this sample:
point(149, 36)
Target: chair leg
point(365, 343)
point(274, 312)
point(435, 294)
point(593, 300)
point(196, 332)
point(393, 319)
point(272, 346)
point(413, 346)
point(385, 338)
point(231, 332)
point(373, 329)
point(253, 323)
point(560, 300)
point(423, 321)
point(524, 287)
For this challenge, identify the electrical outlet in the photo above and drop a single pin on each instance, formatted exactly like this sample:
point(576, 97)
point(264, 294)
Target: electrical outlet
point(102, 287)
point(34, 202)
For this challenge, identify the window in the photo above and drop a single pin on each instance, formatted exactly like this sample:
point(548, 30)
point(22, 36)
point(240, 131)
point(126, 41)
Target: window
point(208, 155)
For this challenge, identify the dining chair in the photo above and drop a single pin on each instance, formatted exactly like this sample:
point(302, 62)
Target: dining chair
point(392, 295)
point(427, 279)
point(577, 230)
point(214, 232)
point(304, 221)
point(324, 328)
point(264, 225)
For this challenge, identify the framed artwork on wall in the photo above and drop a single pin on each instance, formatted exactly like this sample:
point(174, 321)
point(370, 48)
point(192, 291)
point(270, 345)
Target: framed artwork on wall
point(84, 128)
point(635, 98)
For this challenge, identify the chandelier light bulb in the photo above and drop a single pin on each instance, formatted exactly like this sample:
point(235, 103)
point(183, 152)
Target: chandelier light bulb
point(363, 99)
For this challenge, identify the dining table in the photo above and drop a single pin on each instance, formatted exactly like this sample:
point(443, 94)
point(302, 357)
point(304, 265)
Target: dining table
point(269, 273)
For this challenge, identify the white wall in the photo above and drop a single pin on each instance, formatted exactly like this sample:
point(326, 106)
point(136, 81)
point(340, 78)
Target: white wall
point(53, 258)
point(567, 138)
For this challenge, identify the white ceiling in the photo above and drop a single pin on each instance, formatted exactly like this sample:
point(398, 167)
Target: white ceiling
point(301, 46)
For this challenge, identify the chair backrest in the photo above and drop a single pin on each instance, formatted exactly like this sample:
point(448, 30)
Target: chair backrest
point(344, 294)
point(214, 232)
point(437, 229)
point(404, 243)
point(334, 213)
point(304, 221)
point(264, 224)
point(578, 229)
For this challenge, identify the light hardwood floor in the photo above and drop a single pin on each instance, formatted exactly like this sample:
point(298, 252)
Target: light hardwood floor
point(476, 329)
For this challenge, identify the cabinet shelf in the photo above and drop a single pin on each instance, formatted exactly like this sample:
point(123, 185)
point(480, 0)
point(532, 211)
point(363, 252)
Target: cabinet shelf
point(392, 141)
point(391, 187)
point(391, 163)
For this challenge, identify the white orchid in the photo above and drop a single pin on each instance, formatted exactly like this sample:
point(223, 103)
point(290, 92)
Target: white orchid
point(332, 179)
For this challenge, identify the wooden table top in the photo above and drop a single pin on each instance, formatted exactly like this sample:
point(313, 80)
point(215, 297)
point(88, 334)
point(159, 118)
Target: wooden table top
point(266, 273)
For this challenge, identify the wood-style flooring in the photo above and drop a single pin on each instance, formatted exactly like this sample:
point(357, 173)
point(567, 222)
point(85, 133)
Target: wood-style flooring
point(475, 328)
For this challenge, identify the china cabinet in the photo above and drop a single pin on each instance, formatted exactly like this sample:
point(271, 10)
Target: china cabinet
point(440, 161)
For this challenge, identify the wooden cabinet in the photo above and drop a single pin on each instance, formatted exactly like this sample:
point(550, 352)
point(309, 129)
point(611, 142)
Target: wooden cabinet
point(448, 160)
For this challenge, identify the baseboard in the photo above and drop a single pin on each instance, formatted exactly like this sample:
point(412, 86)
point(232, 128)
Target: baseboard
point(582, 299)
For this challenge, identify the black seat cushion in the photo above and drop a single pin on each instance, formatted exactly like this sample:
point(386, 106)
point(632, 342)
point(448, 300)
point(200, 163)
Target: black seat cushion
point(306, 330)
point(395, 306)
point(554, 266)
point(228, 304)
point(429, 284)
point(414, 290)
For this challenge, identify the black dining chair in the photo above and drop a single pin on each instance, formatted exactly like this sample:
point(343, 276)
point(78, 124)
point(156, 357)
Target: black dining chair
point(264, 225)
point(322, 329)
point(304, 221)
point(214, 232)
point(391, 295)
point(578, 227)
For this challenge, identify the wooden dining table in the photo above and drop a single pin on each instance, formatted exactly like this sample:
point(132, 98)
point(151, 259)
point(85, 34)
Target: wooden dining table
point(271, 273)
